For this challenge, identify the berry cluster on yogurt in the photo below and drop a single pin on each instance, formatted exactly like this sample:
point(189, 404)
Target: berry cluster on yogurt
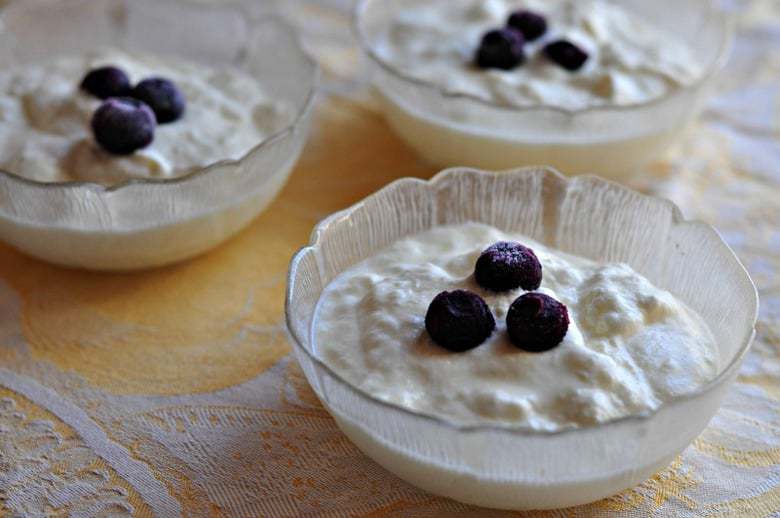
point(460, 320)
point(127, 119)
point(615, 345)
point(504, 48)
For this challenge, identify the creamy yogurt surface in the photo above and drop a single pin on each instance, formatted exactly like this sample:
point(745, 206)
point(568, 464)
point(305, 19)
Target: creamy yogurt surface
point(630, 346)
point(45, 118)
point(630, 62)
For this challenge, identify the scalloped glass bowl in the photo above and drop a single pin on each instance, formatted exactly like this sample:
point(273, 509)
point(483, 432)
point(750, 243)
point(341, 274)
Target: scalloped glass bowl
point(147, 223)
point(448, 129)
point(512, 467)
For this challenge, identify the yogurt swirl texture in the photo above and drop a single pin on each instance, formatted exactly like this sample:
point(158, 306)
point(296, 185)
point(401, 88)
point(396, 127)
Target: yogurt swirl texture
point(631, 61)
point(630, 346)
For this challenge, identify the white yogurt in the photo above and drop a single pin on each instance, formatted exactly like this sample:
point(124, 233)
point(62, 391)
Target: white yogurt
point(45, 120)
point(630, 61)
point(639, 90)
point(630, 346)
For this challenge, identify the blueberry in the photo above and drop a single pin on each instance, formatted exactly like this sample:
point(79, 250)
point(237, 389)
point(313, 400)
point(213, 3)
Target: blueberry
point(501, 48)
point(459, 320)
point(507, 265)
point(163, 96)
point(536, 322)
point(532, 25)
point(566, 54)
point(105, 82)
point(122, 125)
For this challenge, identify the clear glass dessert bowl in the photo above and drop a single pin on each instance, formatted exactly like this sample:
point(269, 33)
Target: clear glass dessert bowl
point(453, 129)
point(514, 467)
point(151, 222)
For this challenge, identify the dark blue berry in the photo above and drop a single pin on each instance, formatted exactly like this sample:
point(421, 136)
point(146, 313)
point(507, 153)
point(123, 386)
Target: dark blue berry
point(501, 48)
point(123, 125)
point(162, 96)
point(508, 265)
point(532, 25)
point(566, 54)
point(105, 82)
point(459, 320)
point(536, 322)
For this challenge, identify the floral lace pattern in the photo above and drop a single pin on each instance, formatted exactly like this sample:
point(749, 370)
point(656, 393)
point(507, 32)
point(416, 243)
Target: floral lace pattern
point(46, 469)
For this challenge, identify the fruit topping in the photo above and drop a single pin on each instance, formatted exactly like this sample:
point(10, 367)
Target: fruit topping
point(459, 320)
point(122, 125)
point(537, 322)
point(508, 265)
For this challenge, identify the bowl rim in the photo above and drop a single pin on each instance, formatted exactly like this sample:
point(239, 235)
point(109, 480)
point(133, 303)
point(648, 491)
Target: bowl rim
point(727, 27)
point(522, 430)
point(255, 22)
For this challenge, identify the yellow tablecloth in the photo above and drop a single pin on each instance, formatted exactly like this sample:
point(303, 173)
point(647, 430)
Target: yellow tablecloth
point(172, 392)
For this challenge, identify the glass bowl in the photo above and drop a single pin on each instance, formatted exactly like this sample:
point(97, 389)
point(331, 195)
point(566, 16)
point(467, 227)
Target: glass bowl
point(451, 129)
point(146, 223)
point(514, 467)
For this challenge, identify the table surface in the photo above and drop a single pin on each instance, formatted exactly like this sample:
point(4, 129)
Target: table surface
point(173, 391)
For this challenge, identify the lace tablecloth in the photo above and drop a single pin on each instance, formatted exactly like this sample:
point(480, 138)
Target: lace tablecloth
point(172, 392)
